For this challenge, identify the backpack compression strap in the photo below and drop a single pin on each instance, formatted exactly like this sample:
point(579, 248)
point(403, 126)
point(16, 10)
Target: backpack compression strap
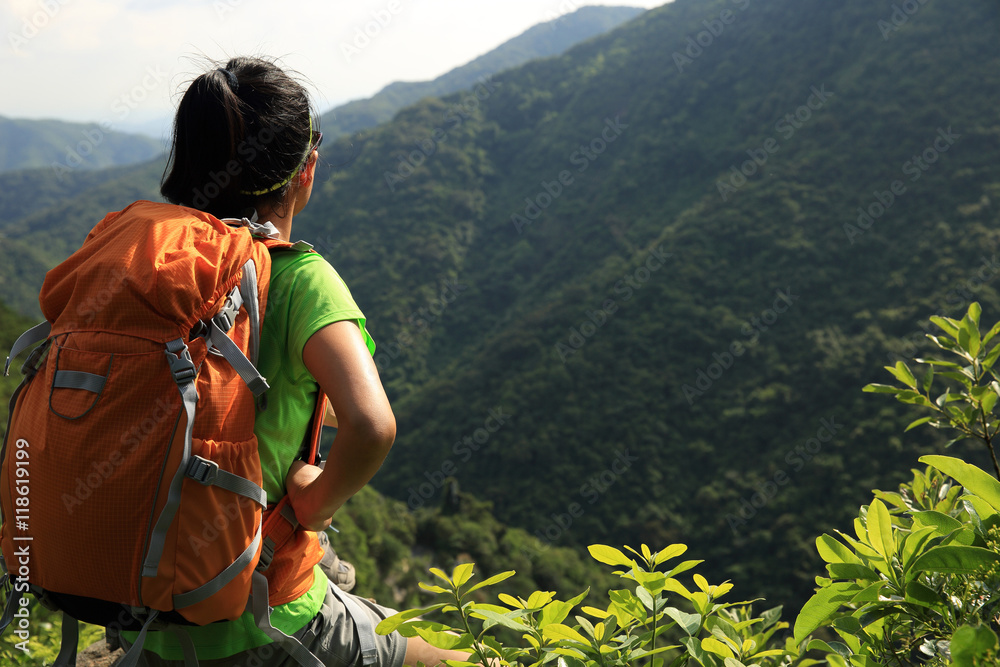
point(35, 334)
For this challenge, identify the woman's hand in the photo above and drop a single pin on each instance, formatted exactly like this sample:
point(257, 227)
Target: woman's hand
point(300, 476)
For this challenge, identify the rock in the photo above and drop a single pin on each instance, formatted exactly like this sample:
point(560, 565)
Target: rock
point(98, 655)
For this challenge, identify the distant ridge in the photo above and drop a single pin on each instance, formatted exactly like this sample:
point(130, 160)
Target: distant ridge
point(541, 41)
point(64, 146)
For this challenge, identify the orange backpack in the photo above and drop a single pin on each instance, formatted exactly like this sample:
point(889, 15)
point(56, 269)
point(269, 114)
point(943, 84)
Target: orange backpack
point(130, 487)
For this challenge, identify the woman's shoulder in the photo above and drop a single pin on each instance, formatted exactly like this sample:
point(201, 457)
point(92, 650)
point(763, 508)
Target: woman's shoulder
point(294, 266)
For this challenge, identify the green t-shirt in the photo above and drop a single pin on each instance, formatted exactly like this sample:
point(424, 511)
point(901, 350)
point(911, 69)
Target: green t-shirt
point(306, 294)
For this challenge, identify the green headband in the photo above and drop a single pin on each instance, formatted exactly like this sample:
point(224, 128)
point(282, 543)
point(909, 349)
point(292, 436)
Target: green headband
point(290, 176)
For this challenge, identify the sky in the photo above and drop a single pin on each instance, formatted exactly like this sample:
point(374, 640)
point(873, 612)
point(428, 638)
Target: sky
point(123, 63)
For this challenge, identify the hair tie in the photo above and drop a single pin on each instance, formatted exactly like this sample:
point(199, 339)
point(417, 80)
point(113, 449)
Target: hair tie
point(234, 83)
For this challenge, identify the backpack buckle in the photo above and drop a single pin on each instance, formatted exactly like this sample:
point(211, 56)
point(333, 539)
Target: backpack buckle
point(181, 363)
point(226, 317)
point(202, 470)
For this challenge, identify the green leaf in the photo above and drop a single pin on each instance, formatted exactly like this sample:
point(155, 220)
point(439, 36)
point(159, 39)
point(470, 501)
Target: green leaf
point(820, 645)
point(688, 622)
point(626, 606)
point(495, 579)
point(955, 559)
point(942, 522)
point(675, 586)
point(902, 373)
point(462, 573)
point(697, 652)
point(654, 582)
point(870, 594)
point(391, 623)
point(949, 326)
point(974, 313)
point(991, 358)
point(673, 551)
point(914, 398)
point(832, 551)
point(927, 380)
point(571, 652)
point(879, 389)
point(502, 619)
point(440, 575)
point(539, 599)
point(431, 588)
point(684, 567)
point(914, 424)
point(821, 607)
point(595, 612)
point(918, 593)
point(445, 640)
point(991, 333)
point(880, 530)
point(560, 632)
point(990, 401)
point(970, 645)
point(510, 601)
point(982, 508)
point(852, 571)
point(609, 555)
point(972, 478)
point(914, 544)
point(713, 645)
point(554, 612)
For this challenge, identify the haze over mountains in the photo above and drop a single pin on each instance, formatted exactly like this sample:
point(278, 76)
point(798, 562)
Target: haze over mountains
point(632, 292)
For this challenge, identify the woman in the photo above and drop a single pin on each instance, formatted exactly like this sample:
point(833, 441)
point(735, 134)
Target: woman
point(246, 138)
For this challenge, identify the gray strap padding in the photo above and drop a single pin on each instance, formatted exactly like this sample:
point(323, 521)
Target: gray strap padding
point(70, 641)
point(363, 623)
point(13, 601)
point(255, 381)
point(184, 639)
point(79, 380)
point(35, 334)
point(262, 618)
point(132, 657)
point(208, 473)
point(185, 374)
point(289, 513)
point(251, 301)
point(216, 584)
point(266, 554)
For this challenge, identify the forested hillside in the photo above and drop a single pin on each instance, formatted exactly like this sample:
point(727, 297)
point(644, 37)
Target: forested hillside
point(631, 293)
point(543, 40)
point(64, 147)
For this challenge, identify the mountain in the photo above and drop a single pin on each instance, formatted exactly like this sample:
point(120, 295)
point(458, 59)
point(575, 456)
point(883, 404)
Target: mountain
point(43, 219)
point(631, 296)
point(632, 292)
point(63, 148)
point(541, 41)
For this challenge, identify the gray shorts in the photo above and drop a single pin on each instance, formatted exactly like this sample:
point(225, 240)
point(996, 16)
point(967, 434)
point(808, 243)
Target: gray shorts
point(330, 635)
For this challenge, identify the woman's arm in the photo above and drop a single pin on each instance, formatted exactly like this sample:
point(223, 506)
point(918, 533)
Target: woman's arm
point(337, 357)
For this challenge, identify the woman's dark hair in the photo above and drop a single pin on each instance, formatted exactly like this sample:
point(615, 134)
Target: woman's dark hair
point(240, 134)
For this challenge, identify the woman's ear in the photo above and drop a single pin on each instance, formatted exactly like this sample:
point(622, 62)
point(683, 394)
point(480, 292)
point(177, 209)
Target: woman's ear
point(308, 173)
